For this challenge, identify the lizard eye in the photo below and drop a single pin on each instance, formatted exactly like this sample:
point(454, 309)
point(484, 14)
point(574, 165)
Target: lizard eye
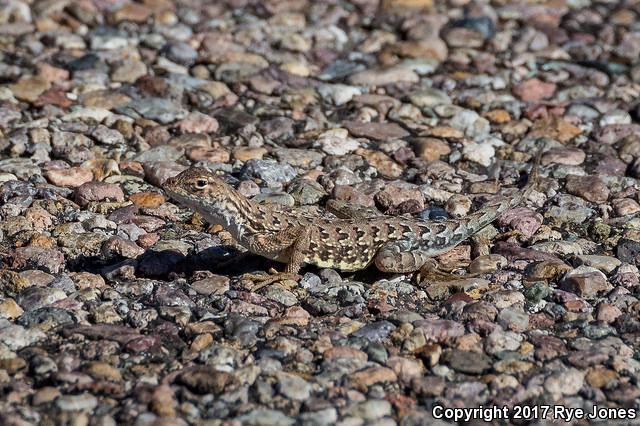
point(201, 183)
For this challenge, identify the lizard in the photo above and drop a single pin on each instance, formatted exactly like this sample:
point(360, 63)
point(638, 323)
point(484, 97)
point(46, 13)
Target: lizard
point(392, 244)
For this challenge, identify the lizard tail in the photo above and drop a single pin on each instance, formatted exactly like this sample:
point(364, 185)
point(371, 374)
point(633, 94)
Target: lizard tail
point(532, 181)
point(483, 217)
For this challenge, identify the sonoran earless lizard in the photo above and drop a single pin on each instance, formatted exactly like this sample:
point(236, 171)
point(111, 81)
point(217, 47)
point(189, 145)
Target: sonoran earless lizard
point(393, 244)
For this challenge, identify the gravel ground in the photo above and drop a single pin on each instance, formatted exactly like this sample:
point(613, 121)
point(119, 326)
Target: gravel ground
point(118, 306)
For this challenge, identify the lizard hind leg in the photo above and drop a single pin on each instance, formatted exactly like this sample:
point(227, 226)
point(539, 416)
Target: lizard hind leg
point(399, 257)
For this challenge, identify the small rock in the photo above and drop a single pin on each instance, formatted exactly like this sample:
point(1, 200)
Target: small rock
point(28, 89)
point(98, 191)
point(431, 149)
point(10, 309)
point(586, 282)
point(215, 285)
point(370, 376)
point(156, 172)
point(475, 127)
point(384, 77)
point(16, 337)
point(370, 410)
point(269, 171)
point(499, 341)
point(522, 219)
point(393, 196)
point(554, 128)
point(429, 98)
point(606, 264)
point(375, 331)
point(468, 362)
point(339, 94)
point(607, 312)
point(513, 319)
point(567, 382)
point(129, 71)
point(376, 131)
point(197, 122)
point(565, 156)
point(82, 402)
point(337, 142)
point(458, 205)
point(481, 153)
point(264, 417)
point(625, 206)
point(293, 387)
point(72, 177)
point(534, 90)
point(204, 379)
point(487, 263)
point(591, 188)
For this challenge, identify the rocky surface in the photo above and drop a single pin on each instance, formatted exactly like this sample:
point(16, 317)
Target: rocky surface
point(119, 307)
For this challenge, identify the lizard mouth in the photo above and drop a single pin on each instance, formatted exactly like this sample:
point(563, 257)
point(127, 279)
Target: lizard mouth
point(174, 194)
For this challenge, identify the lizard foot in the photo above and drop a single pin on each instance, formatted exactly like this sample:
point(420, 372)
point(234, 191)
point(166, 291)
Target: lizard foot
point(430, 271)
point(263, 280)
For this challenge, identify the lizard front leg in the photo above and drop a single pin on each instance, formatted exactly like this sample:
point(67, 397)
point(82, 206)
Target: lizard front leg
point(288, 245)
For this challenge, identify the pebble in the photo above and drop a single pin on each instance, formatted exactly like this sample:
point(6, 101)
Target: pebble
point(15, 337)
point(482, 154)
point(429, 98)
point(129, 71)
point(339, 94)
point(625, 206)
point(263, 417)
point(513, 319)
point(565, 156)
point(98, 191)
point(376, 131)
point(499, 341)
point(567, 382)
point(268, 171)
point(153, 108)
point(522, 219)
point(431, 149)
point(586, 282)
point(487, 263)
point(476, 128)
point(606, 264)
point(534, 90)
point(376, 331)
point(337, 142)
point(383, 77)
point(591, 188)
point(370, 410)
point(293, 387)
point(82, 402)
point(468, 362)
point(71, 177)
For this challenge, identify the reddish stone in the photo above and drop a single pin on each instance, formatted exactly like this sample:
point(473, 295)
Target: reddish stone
point(53, 97)
point(534, 90)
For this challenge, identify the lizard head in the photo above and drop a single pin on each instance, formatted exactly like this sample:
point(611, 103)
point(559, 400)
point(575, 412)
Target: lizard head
point(217, 202)
point(197, 187)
